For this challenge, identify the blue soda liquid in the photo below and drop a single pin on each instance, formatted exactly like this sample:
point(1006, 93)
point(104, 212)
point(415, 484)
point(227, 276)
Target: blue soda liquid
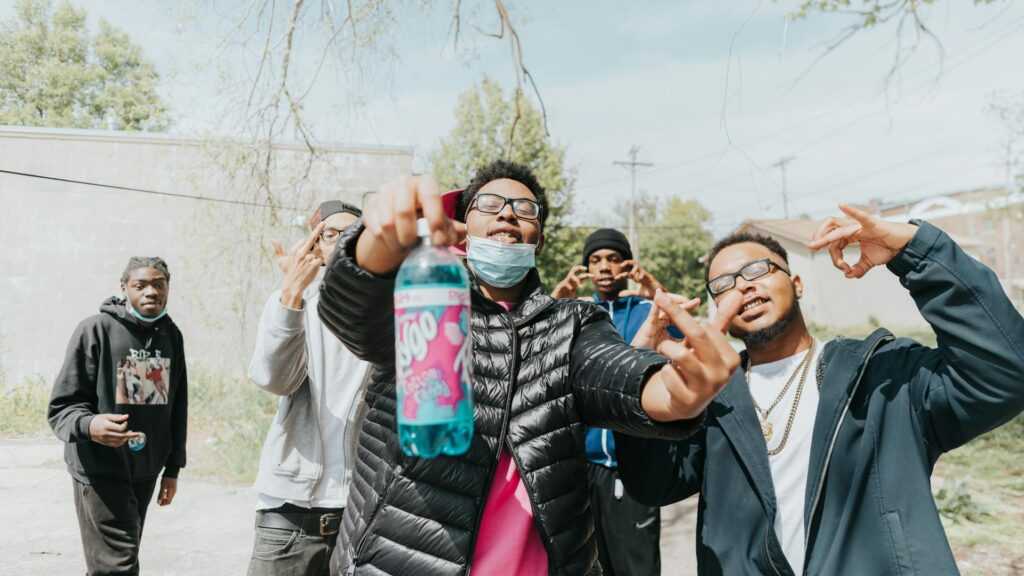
point(431, 267)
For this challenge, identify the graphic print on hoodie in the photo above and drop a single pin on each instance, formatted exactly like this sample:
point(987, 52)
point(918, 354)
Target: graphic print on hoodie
point(119, 364)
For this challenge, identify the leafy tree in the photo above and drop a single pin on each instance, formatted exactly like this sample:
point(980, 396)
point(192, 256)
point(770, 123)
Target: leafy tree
point(672, 237)
point(672, 247)
point(484, 119)
point(53, 72)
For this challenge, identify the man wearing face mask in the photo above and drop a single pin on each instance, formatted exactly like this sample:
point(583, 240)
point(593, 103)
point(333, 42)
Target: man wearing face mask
point(516, 504)
point(120, 404)
point(302, 482)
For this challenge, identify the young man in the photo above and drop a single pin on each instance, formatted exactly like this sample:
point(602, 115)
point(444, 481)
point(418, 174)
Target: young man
point(627, 532)
point(120, 404)
point(816, 458)
point(542, 370)
point(302, 482)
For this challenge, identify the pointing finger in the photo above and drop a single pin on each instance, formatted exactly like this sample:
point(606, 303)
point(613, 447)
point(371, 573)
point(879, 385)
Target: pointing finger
point(857, 214)
point(728, 308)
point(837, 234)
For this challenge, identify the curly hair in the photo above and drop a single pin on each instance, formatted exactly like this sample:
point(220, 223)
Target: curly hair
point(497, 170)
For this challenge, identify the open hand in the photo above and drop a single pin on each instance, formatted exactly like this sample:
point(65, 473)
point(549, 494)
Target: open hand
point(569, 285)
point(879, 240)
point(110, 430)
point(647, 284)
point(699, 367)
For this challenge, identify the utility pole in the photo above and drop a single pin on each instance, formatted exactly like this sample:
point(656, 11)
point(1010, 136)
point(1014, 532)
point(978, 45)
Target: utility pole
point(634, 240)
point(781, 165)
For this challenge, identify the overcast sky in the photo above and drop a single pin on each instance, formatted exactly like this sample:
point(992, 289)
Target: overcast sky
point(713, 92)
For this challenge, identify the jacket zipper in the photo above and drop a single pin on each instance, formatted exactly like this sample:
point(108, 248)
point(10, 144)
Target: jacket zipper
point(501, 440)
point(832, 443)
point(369, 521)
point(768, 553)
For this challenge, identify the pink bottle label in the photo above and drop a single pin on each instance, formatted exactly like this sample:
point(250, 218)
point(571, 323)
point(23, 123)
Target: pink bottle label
point(431, 355)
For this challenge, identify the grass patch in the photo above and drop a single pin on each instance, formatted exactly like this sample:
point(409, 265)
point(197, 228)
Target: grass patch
point(228, 420)
point(981, 498)
point(23, 409)
point(825, 333)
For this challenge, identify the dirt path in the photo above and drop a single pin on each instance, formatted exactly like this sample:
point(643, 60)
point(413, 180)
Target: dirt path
point(207, 531)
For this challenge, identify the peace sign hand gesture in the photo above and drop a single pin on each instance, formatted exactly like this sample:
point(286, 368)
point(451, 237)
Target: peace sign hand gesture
point(879, 240)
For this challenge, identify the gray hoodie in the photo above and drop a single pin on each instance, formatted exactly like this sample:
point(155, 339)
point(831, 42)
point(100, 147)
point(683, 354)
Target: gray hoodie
point(304, 459)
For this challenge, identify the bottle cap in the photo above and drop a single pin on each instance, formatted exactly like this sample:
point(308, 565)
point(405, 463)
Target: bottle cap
point(422, 228)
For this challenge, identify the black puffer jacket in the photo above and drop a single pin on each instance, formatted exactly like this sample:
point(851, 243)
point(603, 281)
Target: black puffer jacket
point(541, 373)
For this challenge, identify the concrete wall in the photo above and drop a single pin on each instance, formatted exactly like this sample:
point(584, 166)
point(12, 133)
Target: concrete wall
point(63, 246)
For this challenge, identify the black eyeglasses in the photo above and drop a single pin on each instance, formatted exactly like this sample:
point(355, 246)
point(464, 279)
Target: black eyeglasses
point(750, 272)
point(493, 204)
point(330, 235)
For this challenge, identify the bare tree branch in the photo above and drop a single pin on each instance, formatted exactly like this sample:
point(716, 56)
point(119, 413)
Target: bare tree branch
point(522, 73)
point(456, 25)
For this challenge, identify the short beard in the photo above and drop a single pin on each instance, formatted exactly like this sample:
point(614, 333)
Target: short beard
point(765, 335)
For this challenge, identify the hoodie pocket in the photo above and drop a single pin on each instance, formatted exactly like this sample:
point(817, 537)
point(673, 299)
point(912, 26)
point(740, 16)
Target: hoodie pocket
point(901, 550)
point(299, 451)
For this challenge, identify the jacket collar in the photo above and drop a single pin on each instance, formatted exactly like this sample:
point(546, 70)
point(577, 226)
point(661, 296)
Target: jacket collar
point(836, 376)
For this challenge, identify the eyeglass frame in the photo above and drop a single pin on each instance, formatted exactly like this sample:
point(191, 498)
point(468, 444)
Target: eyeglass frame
point(475, 203)
point(334, 240)
point(771, 265)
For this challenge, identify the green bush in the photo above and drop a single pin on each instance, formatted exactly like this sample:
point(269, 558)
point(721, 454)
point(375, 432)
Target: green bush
point(228, 421)
point(23, 408)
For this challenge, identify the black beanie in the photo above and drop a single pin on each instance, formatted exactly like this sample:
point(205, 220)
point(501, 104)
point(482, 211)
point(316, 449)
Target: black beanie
point(606, 238)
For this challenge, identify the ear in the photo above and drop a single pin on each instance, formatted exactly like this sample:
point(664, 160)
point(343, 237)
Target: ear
point(540, 243)
point(798, 286)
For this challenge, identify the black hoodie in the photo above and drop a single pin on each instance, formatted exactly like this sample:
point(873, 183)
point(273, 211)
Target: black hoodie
point(118, 364)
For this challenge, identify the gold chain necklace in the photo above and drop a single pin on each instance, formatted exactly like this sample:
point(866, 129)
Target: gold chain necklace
point(762, 415)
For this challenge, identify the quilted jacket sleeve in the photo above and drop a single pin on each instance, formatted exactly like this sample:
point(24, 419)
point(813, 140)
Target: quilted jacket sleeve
point(357, 306)
point(609, 376)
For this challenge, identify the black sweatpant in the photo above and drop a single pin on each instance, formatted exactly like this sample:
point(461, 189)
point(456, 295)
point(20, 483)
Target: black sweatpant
point(628, 532)
point(111, 514)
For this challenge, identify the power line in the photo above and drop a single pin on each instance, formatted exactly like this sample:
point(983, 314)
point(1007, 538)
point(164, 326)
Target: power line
point(151, 192)
point(968, 55)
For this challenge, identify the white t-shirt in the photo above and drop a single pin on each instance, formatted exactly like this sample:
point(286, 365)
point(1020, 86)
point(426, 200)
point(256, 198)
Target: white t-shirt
point(789, 467)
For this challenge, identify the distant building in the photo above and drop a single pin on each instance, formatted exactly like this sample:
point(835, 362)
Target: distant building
point(988, 224)
point(830, 299)
point(65, 244)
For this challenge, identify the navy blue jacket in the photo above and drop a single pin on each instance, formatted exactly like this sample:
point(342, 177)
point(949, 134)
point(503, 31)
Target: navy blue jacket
point(628, 313)
point(889, 408)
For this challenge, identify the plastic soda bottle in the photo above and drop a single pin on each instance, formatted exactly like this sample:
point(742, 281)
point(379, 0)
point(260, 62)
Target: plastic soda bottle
point(433, 351)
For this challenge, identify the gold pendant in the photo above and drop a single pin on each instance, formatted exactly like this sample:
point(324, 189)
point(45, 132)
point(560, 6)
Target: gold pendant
point(766, 430)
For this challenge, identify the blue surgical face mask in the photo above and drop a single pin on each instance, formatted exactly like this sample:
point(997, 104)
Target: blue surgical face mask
point(146, 319)
point(499, 264)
